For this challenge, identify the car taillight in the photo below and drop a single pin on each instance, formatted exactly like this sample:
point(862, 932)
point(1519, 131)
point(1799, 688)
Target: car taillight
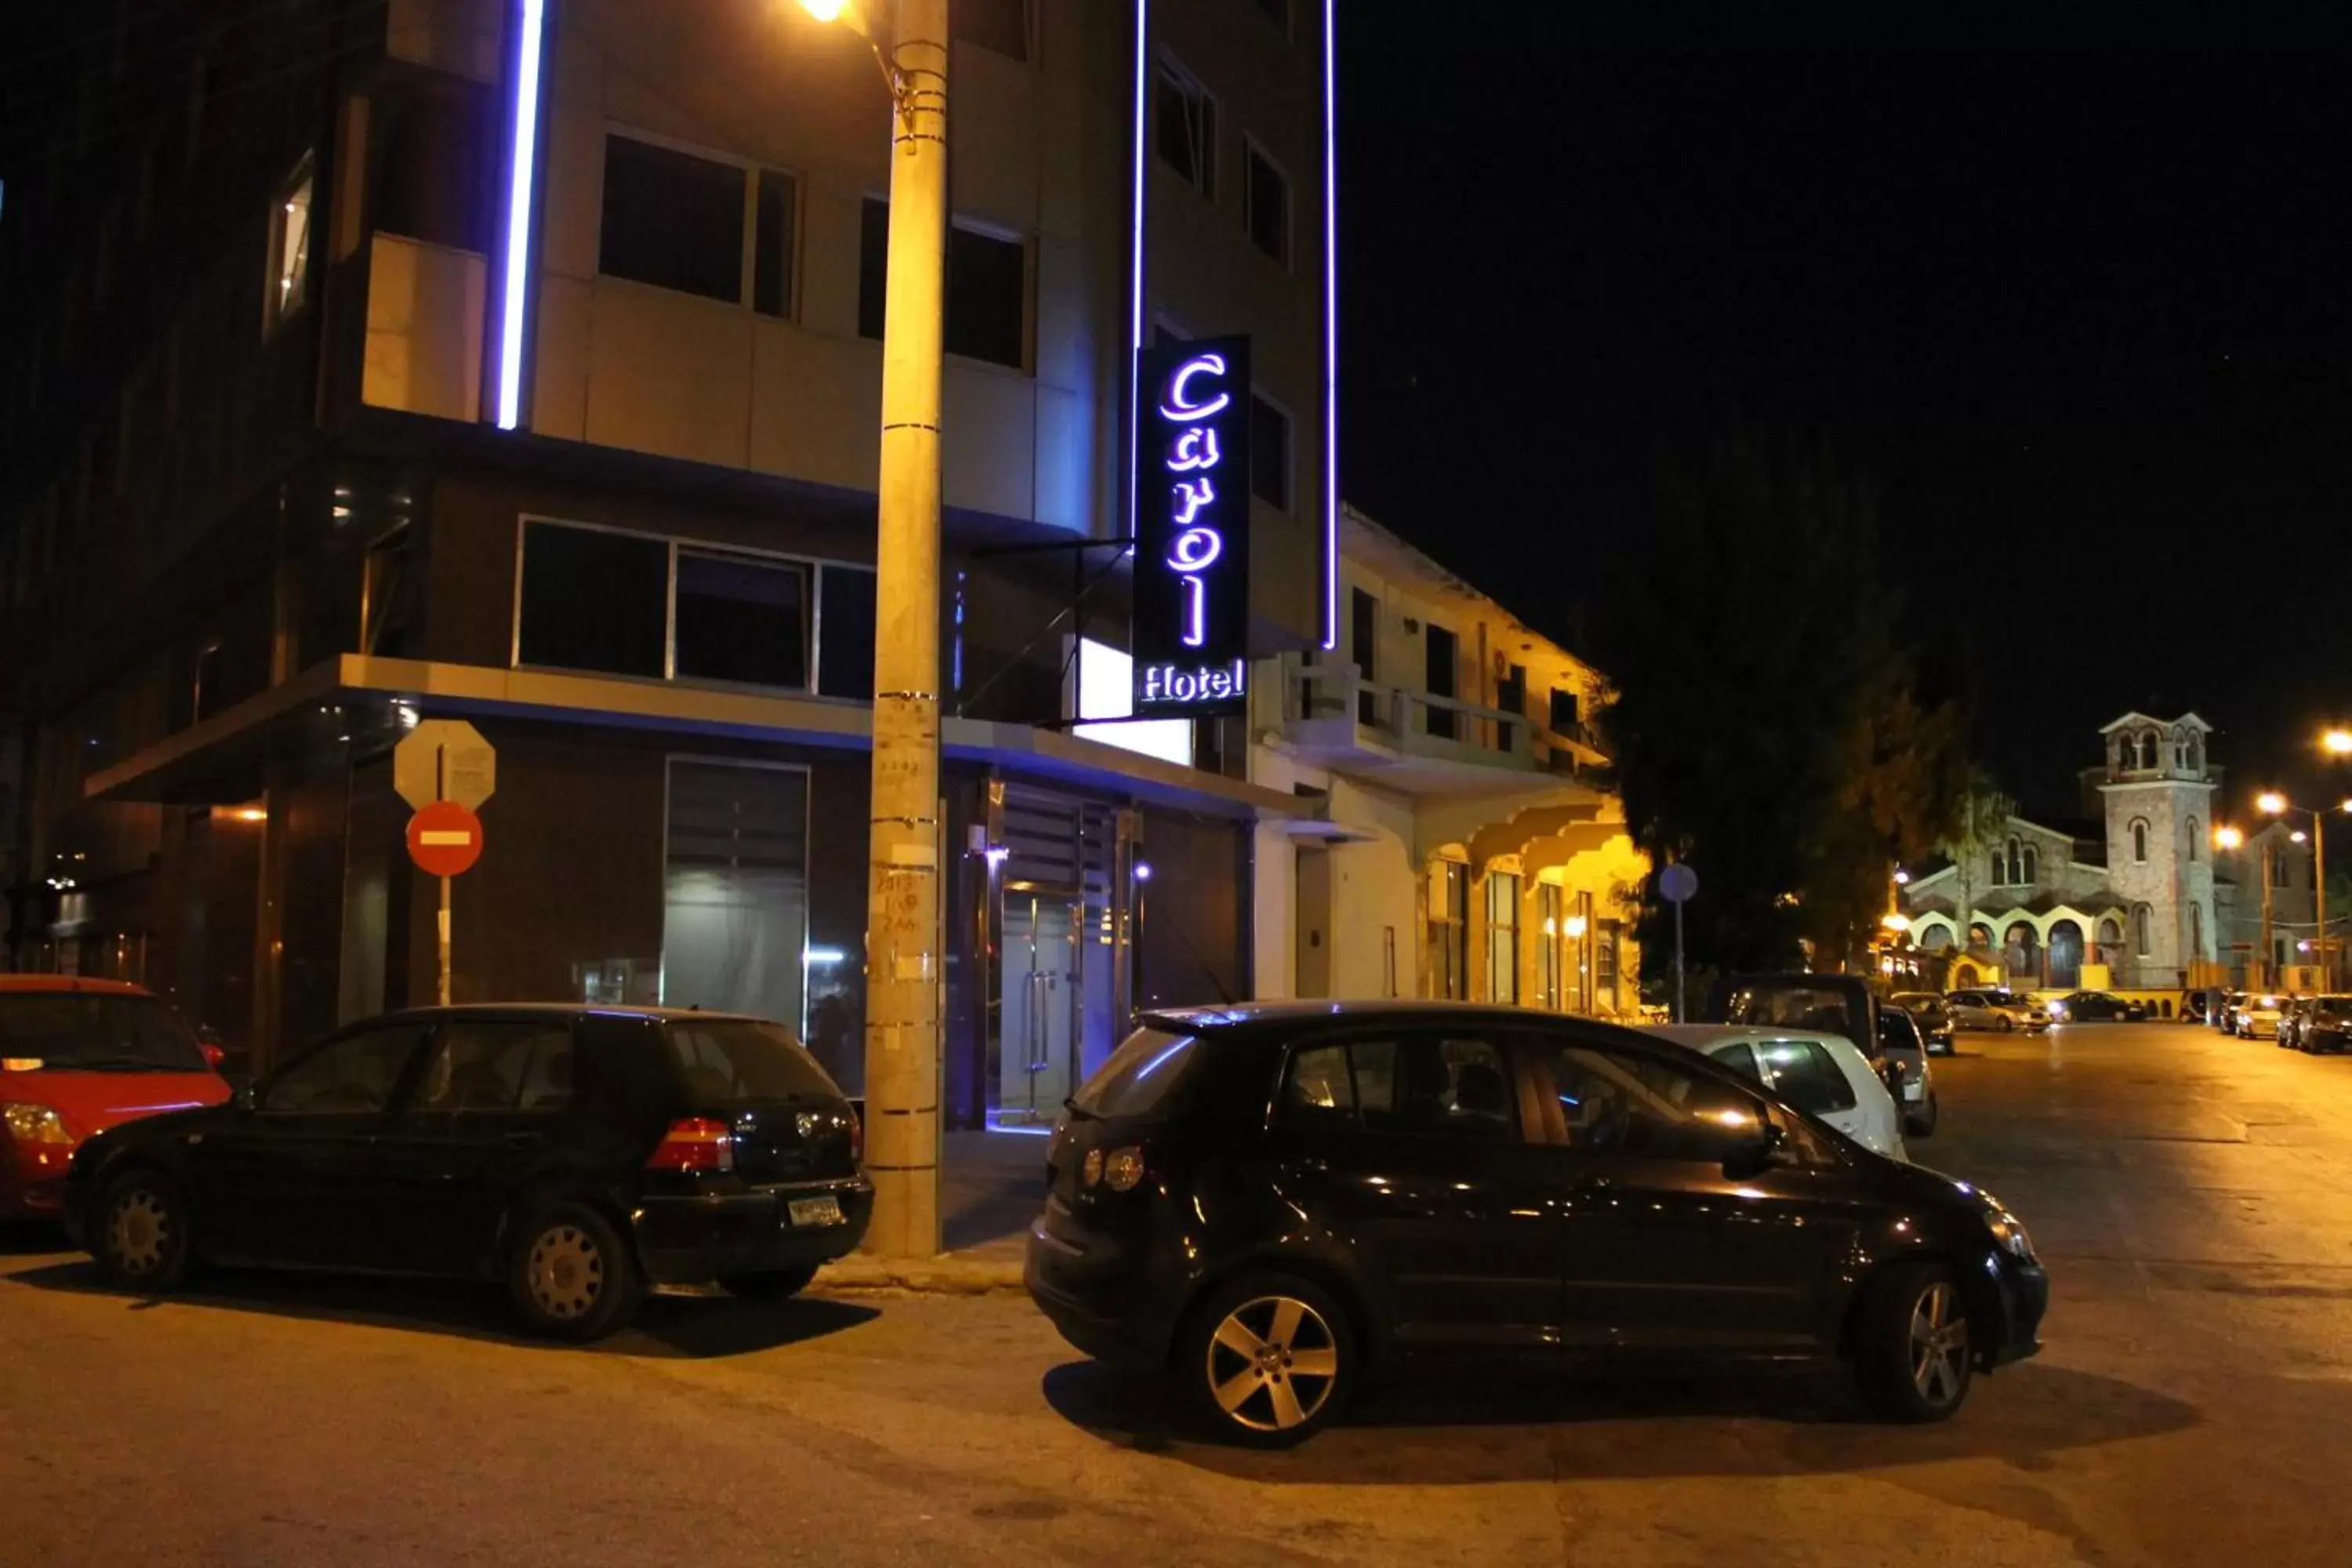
point(695, 1143)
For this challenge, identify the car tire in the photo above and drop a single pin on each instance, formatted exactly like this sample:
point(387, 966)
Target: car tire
point(771, 1284)
point(143, 1232)
point(572, 1276)
point(1913, 1359)
point(1241, 1362)
point(2007, 1025)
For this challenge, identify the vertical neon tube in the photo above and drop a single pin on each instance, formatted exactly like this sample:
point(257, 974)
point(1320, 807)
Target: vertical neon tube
point(513, 289)
point(1330, 328)
point(1135, 251)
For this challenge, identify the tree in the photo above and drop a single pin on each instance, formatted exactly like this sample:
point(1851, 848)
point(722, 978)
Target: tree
point(1979, 827)
point(1770, 725)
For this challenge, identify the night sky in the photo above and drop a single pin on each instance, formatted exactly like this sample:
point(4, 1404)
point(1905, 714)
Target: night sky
point(2073, 281)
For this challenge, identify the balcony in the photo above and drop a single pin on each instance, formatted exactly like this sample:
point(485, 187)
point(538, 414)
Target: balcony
point(1416, 742)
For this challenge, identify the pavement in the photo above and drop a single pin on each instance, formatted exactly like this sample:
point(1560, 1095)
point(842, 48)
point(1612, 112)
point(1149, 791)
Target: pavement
point(2192, 1405)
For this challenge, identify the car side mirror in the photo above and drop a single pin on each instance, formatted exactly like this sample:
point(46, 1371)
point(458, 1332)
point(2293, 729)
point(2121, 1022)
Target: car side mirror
point(1759, 1153)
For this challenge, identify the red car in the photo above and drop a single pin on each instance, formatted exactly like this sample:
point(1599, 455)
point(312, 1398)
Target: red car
point(76, 1058)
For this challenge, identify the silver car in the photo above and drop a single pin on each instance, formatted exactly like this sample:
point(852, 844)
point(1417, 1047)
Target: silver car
point(2005, 1011)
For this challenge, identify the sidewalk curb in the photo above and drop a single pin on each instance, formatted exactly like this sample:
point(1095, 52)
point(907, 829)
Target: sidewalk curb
point(943, 1276)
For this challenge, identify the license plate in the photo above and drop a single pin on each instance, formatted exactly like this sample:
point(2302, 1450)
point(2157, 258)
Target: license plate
point(814, 1211)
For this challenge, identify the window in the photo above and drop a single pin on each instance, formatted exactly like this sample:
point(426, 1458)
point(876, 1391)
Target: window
point(354, 1074)
point(1002, 26)
point(1441, 670)
point(1449, 929)
point(1550, 981)
point(290, 250)
point(1140, 1075)
point(741, 619)
point(1364, 643)
point(987, 289)
point(2148, 750)
point(735, 900)
point(772, 259)
point(1269, 453)
point(1502, 936)
point(2030, 869)
point(738, 1061)
point(482, 1066)
point(592, 600)
point(1434, 1086)
point(2141, 932)
point(1266, 201)
point(1186, 132)
point(1320, 1091)
point(1564, 716)
point(2139, 840)
point(1646, 1108)
point(844, 609)
point(433, 169)
point(672, 220)
point(2196, 835)
point(2195, 933)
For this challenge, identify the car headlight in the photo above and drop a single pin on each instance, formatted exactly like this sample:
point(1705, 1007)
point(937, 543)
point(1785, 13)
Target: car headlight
point(34, 1124)
point(2009, 1232)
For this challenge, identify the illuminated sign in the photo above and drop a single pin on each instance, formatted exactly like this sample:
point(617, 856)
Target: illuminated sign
point(1191, 527)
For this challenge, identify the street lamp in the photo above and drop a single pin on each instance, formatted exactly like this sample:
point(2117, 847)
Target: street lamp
point(2272, 804)
point(2336, 742)
point(903, 967)
point(2227, 837)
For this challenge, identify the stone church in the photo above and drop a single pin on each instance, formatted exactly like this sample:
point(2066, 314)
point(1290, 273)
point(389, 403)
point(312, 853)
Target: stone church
point(2130, 884)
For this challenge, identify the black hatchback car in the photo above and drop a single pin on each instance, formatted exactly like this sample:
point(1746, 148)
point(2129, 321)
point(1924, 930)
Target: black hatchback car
point(577, 1155)
point(1270, 1202)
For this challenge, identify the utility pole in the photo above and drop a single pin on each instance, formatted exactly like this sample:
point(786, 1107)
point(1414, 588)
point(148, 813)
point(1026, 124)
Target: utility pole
point(2269, 979)
point(903, 967)
point(2319, 899)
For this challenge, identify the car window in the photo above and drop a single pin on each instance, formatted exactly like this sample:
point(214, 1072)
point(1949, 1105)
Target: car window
point(1791, 1006)
point(1735, 1055)
point(740, 1061)
point(1897, 1032)
point(100, 1031)
point(1321, 1090)
point(1803, 1073)
point(493, 1065)
point(1416, 1086)
point(354, 1074)
point(1645, 1108)
point(1139, 1076)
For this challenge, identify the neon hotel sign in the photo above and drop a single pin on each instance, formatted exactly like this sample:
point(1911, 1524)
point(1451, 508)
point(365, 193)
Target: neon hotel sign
point(1192, 564)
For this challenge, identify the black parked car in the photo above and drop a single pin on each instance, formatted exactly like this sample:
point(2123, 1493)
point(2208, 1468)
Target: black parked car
point(1271, 1201)
point(2099, 1007)
point(1935, 1019)
point(576, 1154)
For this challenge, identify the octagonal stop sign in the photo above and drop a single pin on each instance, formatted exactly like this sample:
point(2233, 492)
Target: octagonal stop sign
point(445, 840)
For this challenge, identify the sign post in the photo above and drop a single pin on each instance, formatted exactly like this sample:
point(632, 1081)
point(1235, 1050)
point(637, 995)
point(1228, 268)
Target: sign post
point(445, 769)
point(1191, 641)
point(1678, 884)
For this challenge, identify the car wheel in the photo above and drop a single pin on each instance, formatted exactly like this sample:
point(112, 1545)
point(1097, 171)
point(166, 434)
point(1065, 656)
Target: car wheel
point(1267, 1361)
point(1921, 1124)
point(572, 1277)
point(2007, 1025)
point(775, 1285)
point(142, 1233)
point(1913, 1361)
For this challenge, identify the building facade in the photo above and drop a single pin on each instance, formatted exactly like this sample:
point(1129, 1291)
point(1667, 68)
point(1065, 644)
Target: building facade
point(2131, 891)
point(518, 360)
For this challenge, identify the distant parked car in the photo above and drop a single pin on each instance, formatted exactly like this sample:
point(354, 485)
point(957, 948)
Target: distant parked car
point(1934, 1018)
point(2294, 1018)
point(2223, 1013)
point(2328, 1026)
point(2097, 1007)
point(1824, 1076)
point(77, 1057)
point(1262, 1203)
point(2005, 1011)
point(1900, 1040)
point(576, 1154)
point(2258, 1015)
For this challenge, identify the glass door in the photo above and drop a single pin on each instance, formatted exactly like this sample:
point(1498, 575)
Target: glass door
point(1042, 991)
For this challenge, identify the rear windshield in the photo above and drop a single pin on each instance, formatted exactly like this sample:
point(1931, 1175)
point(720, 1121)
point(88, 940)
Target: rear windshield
point(1139, 1076)
point(739, 1061)
point(1798, 1008)
point(1807, 1076)
point(83, 1031)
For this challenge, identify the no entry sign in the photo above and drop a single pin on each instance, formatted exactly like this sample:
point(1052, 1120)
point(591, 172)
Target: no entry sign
point(445, 840)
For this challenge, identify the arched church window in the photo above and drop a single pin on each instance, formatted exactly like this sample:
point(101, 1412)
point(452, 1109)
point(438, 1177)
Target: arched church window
point(2148, 750)
point(2141, 923)
point(2195, 835)
point(2139, 838)
point(2031, 870)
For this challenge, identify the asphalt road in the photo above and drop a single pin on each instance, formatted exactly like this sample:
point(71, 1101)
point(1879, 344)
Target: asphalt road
point(2192, 1406)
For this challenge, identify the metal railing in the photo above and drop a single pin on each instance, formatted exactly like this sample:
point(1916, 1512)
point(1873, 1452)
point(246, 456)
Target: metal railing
point(1426, 722)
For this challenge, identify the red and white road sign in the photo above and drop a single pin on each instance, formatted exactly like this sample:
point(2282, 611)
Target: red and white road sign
point(445, 840)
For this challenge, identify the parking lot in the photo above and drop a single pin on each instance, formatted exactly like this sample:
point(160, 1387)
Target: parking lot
point(2186, 1190)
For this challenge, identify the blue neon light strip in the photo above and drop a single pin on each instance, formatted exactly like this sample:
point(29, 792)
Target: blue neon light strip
point(1135, 242)
point(1330, 328)
point(514, 290)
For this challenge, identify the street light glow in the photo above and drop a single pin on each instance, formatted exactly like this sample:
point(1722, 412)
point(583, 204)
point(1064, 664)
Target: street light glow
point(2270, 802)
point(2227, 838)
point(1895, 920)
point(825, 10)
point(2337, 743)
point(2298, 837)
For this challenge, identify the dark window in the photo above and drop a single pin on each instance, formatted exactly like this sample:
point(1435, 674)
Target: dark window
point(1563, 711)
point(672, 220)
point(1645, 1108)
point(1511, 697)
point(482, 1065)
point(1265, 196)
point(987, 289)
point(845, 641)
point(1434, 1086)
point(1002, 26)
point(1269, 453)
point(735, 1061)
point(1364, 632)
point(592, 600)
point(1739, 1058)
point(1186, 134)
point(63, 1030)
point(1321, 1090)
point(741, 619)
point(772, 261)
point(356, 1073)
point(434, 169)
point(1140, 1075)
point(1440, 671)
point(1803, 1073)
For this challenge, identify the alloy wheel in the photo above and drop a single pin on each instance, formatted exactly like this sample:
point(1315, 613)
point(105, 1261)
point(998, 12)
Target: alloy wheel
point(139, 1231)
point(566, 1271)
point(1272, 1363)
point(1939, 1345)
